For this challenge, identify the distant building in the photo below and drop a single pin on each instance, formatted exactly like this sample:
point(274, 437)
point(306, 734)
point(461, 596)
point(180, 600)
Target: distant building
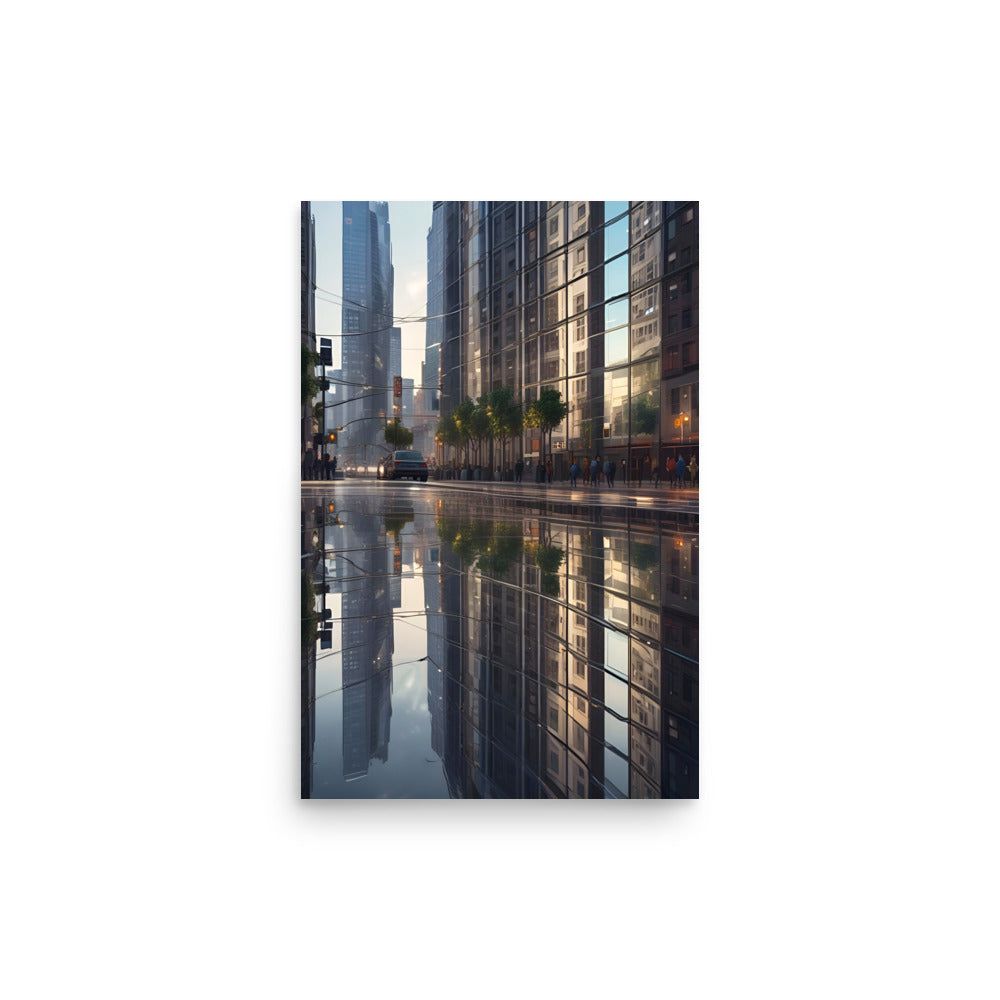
point(366, 326)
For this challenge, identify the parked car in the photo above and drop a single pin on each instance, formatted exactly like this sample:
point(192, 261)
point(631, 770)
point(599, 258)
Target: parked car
point(403, 465)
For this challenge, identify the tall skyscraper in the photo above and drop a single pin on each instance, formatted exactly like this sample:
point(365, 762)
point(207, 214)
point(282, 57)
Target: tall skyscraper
point(366, 326)
point(596, 299)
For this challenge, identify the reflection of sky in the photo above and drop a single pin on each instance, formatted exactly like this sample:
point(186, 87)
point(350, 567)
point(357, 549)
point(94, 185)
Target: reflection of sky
point(413, 770)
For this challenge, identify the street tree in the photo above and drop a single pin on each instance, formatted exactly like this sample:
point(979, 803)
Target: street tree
point(506, 417)
point(310, 380)
point(448, 433)
point(480, 428)
point(462, 415)
point(547, 413)
point(397, 435)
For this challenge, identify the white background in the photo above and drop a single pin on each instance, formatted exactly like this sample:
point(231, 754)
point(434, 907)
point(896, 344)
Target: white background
point(845, 840)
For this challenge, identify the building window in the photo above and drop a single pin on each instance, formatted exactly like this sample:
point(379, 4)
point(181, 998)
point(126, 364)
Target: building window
point(673, 291)
point(686, 354)
point(673, 323)
point(689, 215)
point(675, 401)
point(672, 358)
point(686, 319)
point(581, 211)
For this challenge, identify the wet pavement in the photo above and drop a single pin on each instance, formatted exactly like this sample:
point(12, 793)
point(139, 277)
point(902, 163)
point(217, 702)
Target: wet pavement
point(507, 642)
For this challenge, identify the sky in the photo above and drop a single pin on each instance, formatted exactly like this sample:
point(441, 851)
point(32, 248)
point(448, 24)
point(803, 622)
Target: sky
point(408, 225)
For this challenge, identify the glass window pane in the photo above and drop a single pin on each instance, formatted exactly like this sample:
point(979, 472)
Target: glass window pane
point(645, 322)
point(616, 277)
point(616, 406)
point(612, 209)
point(616, 238)
point(645, 415)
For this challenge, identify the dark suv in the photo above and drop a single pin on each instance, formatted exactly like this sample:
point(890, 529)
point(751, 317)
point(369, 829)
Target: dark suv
point(403, 465)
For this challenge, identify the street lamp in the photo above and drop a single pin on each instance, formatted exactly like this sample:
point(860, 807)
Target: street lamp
point(680, 422)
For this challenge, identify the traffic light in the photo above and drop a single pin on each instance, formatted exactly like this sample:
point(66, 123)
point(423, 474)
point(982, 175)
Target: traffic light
point(332, 437)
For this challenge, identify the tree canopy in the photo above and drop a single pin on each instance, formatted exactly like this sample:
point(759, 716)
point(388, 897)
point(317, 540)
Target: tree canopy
point(397, 435)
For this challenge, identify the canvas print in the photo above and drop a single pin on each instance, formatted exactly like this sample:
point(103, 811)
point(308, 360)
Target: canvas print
point(500, 458)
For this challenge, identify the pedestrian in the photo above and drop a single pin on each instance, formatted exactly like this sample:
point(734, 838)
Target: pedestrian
point(656, 474)
point(548, 470)
point(671, 465)
point(680, 471)
point(574, 471)
point(638, 472)
point(333, 466)
point(595, 470)
point(326, 466)
point(609, 472)
point(693, 470)
point(644, 469)
point(586, 471)
point(518, 469)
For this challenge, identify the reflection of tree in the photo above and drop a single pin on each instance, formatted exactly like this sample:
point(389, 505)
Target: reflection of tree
point(644, 556)
point(645, 414)
point(491, 546)
point(494, 546)
point(549, 558)
point(395, 522)
point(310, 616)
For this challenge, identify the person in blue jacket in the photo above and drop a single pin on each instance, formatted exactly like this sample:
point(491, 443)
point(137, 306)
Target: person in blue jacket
point(680, 470)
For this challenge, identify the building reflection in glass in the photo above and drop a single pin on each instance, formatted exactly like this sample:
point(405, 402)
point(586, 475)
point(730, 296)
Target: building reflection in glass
point(561, 645)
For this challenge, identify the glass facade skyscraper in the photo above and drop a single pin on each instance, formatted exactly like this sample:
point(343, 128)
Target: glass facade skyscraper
point(597, 299)
point(366, 325)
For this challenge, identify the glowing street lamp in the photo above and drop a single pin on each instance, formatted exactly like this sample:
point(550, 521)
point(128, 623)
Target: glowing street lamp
point(680, 422)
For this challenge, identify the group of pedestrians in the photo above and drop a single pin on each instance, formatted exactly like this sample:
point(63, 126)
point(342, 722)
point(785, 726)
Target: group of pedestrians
point(594, 473)
point(314, 467)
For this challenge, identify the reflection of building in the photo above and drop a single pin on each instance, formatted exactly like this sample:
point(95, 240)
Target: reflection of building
point(561, 676)
point(366, 324)
point(598, 300)
point(366, 640)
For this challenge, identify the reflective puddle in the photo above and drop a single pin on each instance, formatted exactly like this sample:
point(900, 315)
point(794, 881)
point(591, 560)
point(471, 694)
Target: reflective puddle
point(467, 644)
